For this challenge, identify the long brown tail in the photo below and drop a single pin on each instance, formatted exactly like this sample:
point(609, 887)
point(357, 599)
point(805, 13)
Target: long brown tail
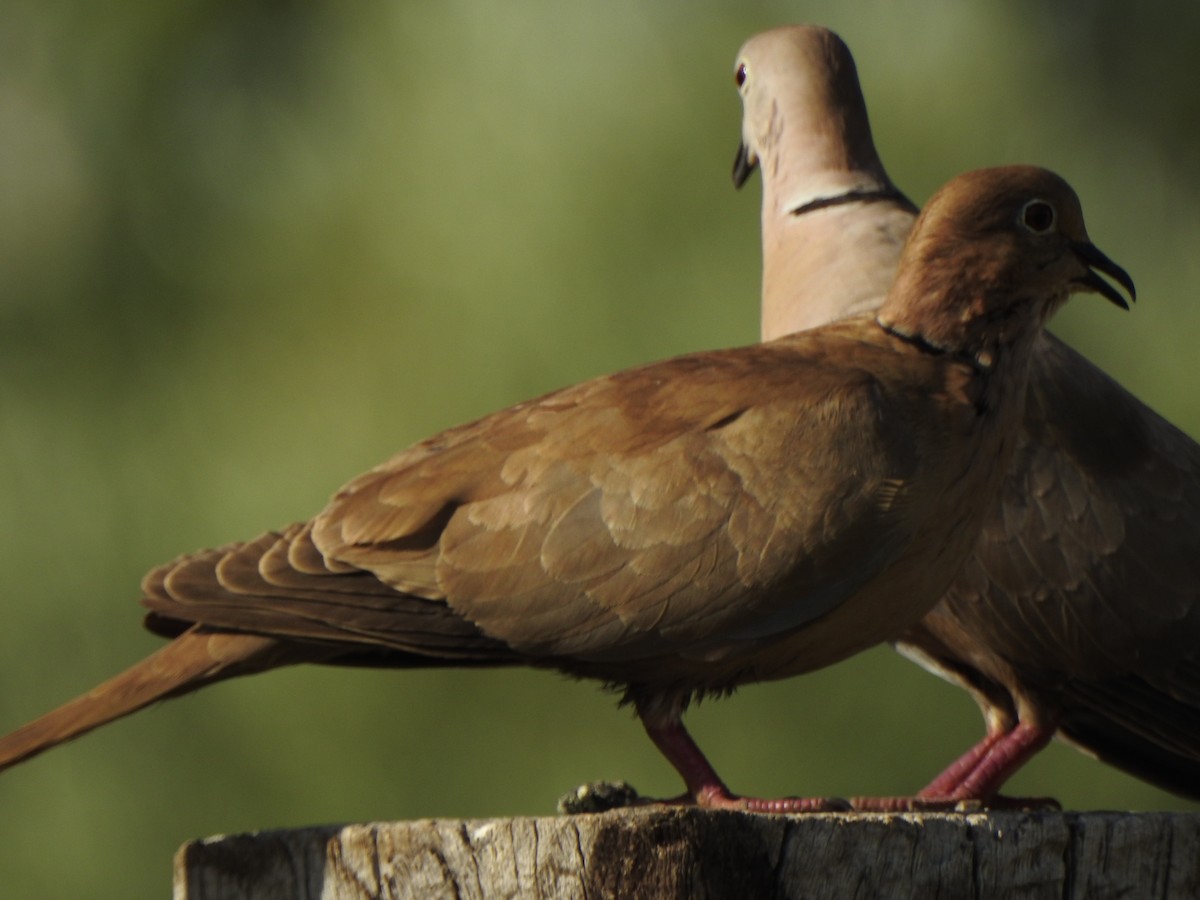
point(194, 659)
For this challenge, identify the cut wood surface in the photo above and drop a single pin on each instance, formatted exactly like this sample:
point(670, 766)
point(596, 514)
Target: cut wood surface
point(675, 852)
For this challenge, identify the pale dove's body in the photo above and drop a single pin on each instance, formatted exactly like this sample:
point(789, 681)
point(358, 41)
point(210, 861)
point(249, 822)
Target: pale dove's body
point(1079, 608)
point(676, 529)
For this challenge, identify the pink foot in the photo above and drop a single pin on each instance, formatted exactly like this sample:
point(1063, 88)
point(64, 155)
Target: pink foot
point(705, 787)
point(719, 797)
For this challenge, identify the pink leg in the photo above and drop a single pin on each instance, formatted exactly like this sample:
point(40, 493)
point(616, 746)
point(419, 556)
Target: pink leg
point(944, 784)
point(976, 776)
point(980, 772)
point(1018, 747)
point(705, 787)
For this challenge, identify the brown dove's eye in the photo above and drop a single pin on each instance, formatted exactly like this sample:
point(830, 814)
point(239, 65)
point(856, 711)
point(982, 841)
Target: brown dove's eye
point(740, 75)
point(1038, 216)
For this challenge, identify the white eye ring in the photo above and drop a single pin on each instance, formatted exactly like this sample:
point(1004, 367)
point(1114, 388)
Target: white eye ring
point(1038, 216)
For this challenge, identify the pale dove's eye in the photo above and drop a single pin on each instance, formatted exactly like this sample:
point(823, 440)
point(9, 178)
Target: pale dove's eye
point(740, 75)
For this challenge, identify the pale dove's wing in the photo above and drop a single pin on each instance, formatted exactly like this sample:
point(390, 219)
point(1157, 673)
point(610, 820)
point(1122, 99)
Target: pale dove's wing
point(1078, 609)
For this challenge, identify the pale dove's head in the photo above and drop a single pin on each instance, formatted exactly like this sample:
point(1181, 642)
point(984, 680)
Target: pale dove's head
point(832, 221)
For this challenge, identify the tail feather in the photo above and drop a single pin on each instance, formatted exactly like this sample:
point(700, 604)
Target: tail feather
point(219, 605)
point(194, 659)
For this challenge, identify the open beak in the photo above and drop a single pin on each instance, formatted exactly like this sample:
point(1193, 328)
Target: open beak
point(743, 164)
point(1094, 259)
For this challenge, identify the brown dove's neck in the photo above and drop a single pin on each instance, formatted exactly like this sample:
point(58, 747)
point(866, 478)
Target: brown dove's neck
point(998, 372)
point(969, 312)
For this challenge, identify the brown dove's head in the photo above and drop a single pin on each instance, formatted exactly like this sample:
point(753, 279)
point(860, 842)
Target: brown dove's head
point(994, 253)
point(800, 95)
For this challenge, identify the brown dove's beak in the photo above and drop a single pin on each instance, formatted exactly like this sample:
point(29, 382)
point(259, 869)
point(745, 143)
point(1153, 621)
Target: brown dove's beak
point(743, 164)
point(1094, 259)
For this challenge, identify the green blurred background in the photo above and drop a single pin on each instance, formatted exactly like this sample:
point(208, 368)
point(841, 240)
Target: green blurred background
point(248, 249)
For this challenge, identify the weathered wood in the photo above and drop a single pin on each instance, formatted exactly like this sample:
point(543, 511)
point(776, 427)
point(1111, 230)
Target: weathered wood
point(663, 852)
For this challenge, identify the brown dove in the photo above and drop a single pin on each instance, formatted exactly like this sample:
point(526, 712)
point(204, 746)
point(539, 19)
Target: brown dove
point(1078, 612)
point(673, 530)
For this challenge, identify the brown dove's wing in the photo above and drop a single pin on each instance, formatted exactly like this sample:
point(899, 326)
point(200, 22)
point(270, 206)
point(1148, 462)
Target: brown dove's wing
point(612, 520)
point(278, 584)
point(620, 519)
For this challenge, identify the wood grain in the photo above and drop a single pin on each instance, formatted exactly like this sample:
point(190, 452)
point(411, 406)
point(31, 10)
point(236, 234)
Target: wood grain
point(669, 853)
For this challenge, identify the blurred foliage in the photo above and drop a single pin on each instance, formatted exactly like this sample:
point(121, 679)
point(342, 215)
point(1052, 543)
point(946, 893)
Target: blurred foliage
point(249, 249)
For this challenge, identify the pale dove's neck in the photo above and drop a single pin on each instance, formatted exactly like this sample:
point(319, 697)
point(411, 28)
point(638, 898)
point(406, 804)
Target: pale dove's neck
point(826, 262)
point(806, 122)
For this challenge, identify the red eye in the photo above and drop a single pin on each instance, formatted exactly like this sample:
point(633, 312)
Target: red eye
point(1037, 216)
point(740, 75)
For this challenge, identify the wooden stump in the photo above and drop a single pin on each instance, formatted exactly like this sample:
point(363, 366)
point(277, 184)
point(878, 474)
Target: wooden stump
point(688, 853)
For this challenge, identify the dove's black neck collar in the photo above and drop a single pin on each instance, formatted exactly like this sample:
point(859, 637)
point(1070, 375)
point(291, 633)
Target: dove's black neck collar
point(980, 365)
point(916, 340)
point(858, 195)
point(984, 366)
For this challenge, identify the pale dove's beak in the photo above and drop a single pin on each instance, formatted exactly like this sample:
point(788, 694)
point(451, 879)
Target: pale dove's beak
point(743, 164)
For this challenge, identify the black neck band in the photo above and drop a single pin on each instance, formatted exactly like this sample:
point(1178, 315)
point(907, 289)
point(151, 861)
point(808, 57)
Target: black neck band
point(932, 349)
point(855, 196)
point(915, 339)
